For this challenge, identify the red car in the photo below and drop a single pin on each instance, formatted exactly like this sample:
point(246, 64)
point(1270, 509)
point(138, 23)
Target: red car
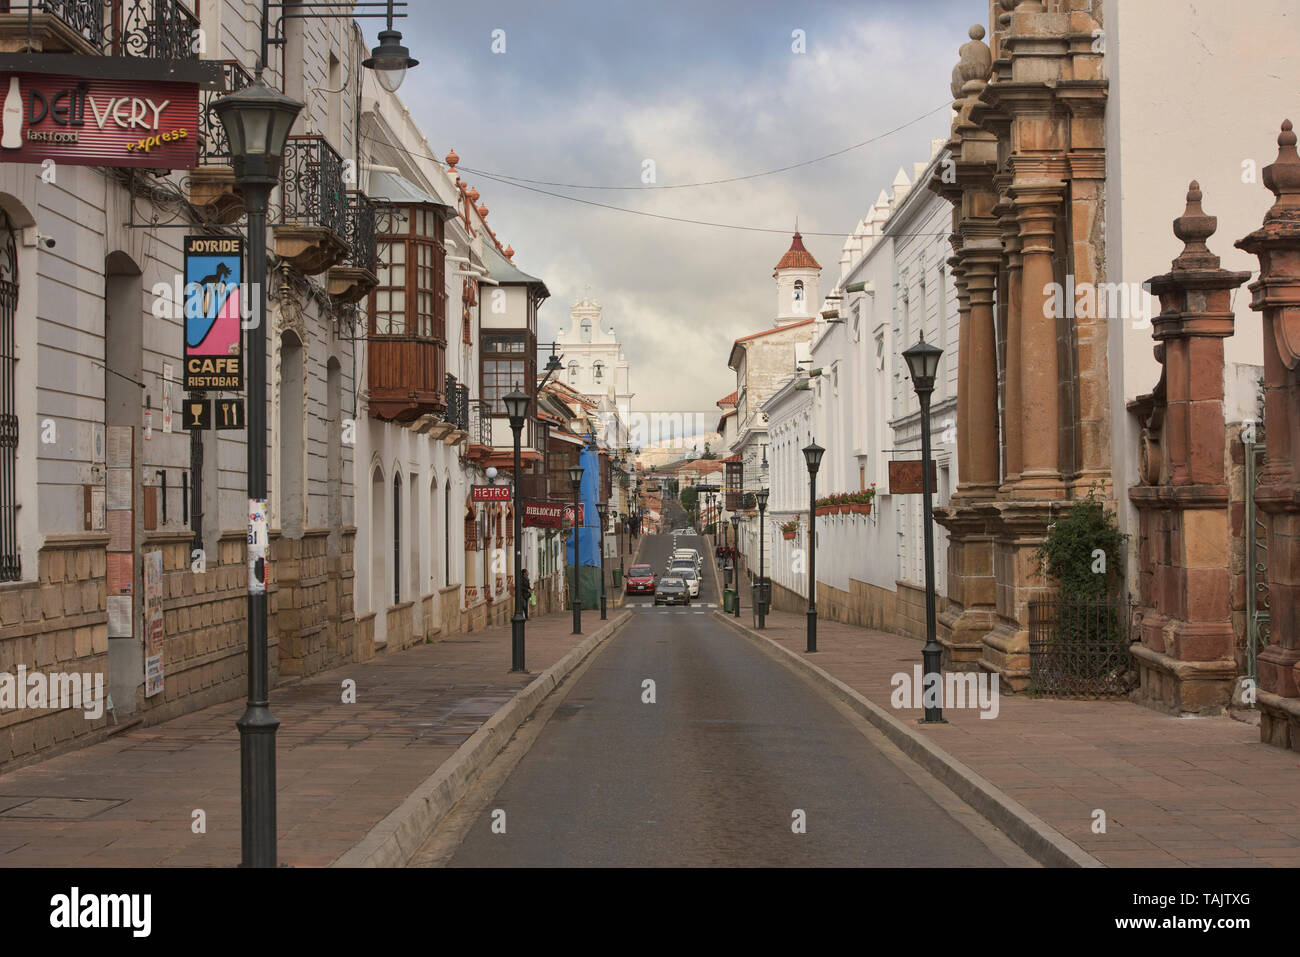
point(640, 580)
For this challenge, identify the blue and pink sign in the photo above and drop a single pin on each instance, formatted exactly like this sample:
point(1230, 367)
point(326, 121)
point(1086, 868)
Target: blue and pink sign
point(214, 345)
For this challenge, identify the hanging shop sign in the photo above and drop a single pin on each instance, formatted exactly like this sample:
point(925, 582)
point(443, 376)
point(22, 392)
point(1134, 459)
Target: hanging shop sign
point(551, 514)
point(491, 493)
point(905, 478)
point(212, 302)
point(91, 121)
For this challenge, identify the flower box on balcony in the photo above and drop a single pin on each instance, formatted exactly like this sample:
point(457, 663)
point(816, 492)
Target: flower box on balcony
point(788, 536)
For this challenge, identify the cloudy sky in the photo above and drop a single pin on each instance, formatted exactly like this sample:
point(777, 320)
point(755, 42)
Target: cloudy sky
point(588, 90)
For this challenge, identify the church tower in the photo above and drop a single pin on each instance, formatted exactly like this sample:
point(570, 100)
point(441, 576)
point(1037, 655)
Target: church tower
point(796, 278)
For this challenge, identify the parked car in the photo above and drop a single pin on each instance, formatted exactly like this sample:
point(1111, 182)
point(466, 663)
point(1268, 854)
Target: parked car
point(672, 591)
point(640, 580)
point(692, 579)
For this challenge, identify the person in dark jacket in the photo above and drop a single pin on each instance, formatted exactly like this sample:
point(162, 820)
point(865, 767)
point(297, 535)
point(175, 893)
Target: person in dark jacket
point(528, 592)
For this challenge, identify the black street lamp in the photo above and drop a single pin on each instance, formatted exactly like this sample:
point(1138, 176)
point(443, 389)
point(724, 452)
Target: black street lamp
point(761, 496)
point(575, 478)
point(600, 547)
point(257, 121)
point(923, 364)
point(735, 572)
point(812, 455)
point(390, 60)
point(516, 404)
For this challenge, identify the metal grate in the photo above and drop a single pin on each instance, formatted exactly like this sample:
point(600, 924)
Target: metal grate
point(10, 560)
point(1079, 647)
point(138, 28)
point(311, 182)
point(214, 148)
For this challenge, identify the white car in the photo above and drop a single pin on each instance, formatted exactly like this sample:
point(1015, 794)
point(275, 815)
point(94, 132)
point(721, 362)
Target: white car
point(690, 553)
point(692, 581)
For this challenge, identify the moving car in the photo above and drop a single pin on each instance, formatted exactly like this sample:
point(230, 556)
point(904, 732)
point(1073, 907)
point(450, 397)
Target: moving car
point(640, 580)
point(672, 591)
point(679, 565)
point(692, 579)
point(688, 553)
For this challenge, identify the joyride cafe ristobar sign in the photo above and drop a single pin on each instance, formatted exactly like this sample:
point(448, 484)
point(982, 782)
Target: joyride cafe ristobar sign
point(98, 122)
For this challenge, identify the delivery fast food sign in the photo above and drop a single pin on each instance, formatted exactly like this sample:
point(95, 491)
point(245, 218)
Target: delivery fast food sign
point(98, 122)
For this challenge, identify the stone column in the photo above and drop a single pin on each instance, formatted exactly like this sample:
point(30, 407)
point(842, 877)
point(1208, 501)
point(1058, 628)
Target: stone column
point(1036, 201)
point(980, 467)
point(1276, 295)
point(963, 380)
point(1012, 409)
point(1187, 652)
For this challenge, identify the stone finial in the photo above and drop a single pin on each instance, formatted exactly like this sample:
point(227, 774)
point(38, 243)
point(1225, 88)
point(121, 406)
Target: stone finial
point(472, 194)
point(510, 252)
point(452, 159)
point(976, 62)
point(1194, 227)
point(483, 211)
point(956, 81)
point(1282, 177)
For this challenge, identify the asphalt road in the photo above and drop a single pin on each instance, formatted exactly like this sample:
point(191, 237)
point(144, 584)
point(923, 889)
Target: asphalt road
point(734, 750)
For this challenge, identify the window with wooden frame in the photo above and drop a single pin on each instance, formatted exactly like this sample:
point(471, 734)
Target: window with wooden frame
point(410, 300)
point(507, 365)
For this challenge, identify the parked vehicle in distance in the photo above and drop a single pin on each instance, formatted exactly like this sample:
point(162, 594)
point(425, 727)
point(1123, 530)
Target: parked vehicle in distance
point(672, 591)
point(640, 580)
point(692, 579)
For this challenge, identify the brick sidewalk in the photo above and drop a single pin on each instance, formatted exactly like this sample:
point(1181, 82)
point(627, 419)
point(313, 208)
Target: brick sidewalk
point(340, 767)
point(1176, 791)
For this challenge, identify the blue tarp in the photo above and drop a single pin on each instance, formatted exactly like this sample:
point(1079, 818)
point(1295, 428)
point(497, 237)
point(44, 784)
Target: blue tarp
point(588, 549)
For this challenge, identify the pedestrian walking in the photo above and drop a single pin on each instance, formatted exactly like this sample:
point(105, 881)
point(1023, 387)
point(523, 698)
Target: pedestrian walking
point(528, 592)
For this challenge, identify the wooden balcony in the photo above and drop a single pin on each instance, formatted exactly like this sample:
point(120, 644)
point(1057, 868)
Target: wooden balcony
point(407, 378)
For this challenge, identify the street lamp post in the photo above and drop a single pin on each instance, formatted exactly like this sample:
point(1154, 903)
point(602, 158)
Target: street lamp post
point(812, 455)
point(761, 495)
point(575, 479)
point(735, 572)
point(923, 364)
point(516, 404)
point(600, 547)
point(257, 121)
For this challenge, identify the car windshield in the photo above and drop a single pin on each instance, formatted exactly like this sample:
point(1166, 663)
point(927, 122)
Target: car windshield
point(688, 574)
point(672, 584)
point(640, 571)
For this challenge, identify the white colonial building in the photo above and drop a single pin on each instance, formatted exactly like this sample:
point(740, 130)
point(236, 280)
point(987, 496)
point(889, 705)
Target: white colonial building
point(594, 363)
point(855, 398)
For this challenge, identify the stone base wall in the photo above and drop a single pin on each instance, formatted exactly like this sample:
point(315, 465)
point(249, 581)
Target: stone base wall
point(449, 610)
point(400, 631)
point(863, 605)
point(910, 616)
point(311, 611)
point(57, 623)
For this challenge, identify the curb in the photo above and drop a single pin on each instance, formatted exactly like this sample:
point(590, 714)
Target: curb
point(1035, 836)
point(396, 839)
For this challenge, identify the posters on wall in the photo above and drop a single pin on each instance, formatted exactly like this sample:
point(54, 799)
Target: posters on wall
point(153, 623)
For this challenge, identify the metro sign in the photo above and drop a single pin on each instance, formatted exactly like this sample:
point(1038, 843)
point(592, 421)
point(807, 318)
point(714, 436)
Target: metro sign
point(491, 493)
point(92, 121)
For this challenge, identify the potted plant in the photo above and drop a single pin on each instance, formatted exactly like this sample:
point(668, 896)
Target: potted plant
point(788, 529)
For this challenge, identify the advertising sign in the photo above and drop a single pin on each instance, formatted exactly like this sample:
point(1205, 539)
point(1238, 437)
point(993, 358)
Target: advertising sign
point(153, 623)
point(214, 345)
point(905, 478)
point(550, 514)
point(98, 122)
point(491, 493)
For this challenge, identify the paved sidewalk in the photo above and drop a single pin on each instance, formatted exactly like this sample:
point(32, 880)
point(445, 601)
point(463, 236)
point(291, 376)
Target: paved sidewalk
point(1176, 791)
point(340, 767)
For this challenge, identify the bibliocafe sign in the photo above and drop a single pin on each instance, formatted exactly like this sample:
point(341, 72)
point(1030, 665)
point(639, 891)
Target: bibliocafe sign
point(98, 122)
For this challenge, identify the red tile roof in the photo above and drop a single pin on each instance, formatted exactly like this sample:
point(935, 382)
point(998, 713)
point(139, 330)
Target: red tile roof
point(727, 400)
point(796, 257)
point(768, 332)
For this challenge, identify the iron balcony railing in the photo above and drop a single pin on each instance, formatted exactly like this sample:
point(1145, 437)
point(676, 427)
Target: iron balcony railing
point(359, 230)
point(214, 147)
point(457, 404)
point(158, 29)
point(311, 184)
point(1079, 647)
point(480, 422)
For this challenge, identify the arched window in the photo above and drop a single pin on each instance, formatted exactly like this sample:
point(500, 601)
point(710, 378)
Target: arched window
point(378, 591)
point(798, 290)
point(573, 372)
point(598, 371)
point(586, 330)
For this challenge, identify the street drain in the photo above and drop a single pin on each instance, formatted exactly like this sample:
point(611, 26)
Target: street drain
point(55, 808)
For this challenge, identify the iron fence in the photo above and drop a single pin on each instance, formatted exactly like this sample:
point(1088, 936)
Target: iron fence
point(311, 184)
point(214, 147)
point(139, 28)
point(1079, 647)
point(457, 404)
point(480, 420)
point(359, 230)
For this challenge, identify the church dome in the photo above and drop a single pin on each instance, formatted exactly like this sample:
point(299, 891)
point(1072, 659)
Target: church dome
point(796, 257)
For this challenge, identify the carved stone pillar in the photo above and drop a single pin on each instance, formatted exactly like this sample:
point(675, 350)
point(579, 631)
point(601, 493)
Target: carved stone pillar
point(1012, 408)
point(1186, 644)
point(1276, 295)
point(980, 467)
point(1037, 202)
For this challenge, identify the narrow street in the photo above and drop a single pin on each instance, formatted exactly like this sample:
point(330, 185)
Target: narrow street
point(713, 772)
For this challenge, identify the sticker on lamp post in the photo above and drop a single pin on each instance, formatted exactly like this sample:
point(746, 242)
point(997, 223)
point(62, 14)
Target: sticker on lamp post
point(258, 534)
